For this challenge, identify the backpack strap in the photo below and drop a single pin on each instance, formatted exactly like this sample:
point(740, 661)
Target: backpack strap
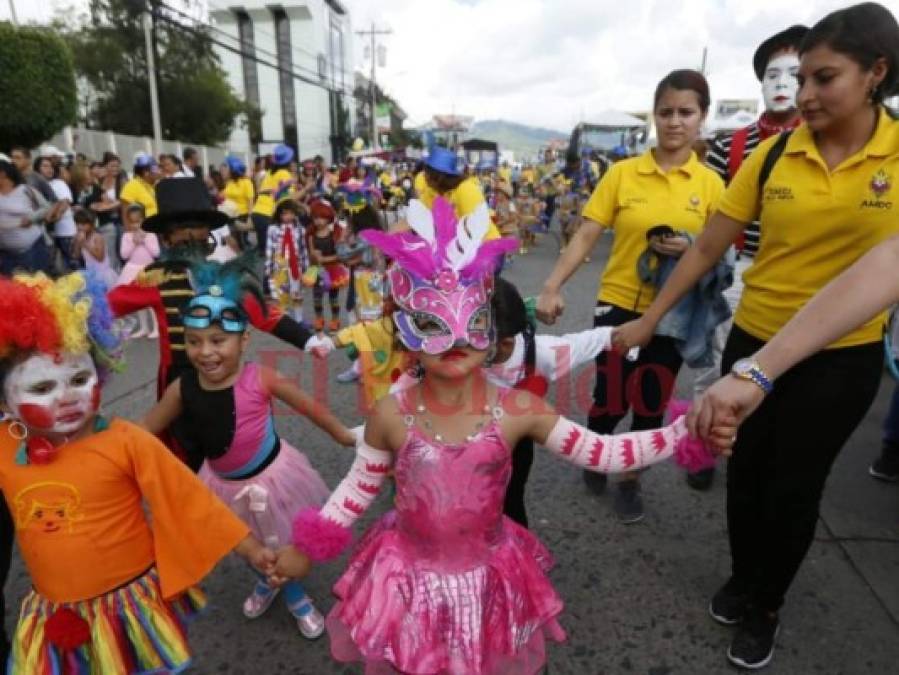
point(774, 153)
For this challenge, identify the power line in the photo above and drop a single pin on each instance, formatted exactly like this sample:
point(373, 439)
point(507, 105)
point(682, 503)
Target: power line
point(203, 34)
point(205, 28)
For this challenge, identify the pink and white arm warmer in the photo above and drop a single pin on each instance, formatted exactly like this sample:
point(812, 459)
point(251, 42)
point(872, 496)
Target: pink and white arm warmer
point(324, 534)
point(630, 451)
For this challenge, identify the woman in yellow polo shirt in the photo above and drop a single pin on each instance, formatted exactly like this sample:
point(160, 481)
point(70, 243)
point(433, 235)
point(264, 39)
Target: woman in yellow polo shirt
point(829, 198)
point(141, 188)
point(277, 179)
point(238, 188)
point(666, 185)
point(442, 177)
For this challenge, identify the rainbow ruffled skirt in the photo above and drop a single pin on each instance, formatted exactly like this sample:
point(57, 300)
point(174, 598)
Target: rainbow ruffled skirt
point(133, 631)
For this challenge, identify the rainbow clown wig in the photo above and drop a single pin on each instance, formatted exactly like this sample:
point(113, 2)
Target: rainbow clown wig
point(69, 315)
point(441, 278)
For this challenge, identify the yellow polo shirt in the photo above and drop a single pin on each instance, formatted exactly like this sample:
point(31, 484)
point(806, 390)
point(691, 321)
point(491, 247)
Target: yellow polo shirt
point(241, 192)
point(814, 224)
point(265, 203)
point(465, 198)
point(139, 191)
point(634, 196)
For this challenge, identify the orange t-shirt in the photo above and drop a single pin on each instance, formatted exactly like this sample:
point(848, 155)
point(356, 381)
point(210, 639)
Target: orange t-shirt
point(81, 525)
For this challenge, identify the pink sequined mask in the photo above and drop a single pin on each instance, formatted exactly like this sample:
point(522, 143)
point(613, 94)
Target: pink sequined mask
point(442, 277)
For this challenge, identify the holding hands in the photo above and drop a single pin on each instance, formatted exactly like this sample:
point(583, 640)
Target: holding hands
point(730, 398)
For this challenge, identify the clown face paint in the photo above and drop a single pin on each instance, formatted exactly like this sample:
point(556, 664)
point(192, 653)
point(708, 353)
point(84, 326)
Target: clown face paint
point(780, 84)
point(53, 395)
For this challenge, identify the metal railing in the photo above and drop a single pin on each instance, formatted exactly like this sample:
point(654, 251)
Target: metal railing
point(93, 143)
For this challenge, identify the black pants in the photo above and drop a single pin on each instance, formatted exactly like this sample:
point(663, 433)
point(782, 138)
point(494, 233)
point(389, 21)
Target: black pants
point(644, 385)
point(782, 458)
point(7, 532)
point(522, 459)
point(260, 225)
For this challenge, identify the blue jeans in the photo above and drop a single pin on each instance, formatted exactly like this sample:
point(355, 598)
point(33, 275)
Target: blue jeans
point(35, 259)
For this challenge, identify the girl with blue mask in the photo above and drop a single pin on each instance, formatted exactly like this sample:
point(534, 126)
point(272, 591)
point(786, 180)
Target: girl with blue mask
point(227, 405)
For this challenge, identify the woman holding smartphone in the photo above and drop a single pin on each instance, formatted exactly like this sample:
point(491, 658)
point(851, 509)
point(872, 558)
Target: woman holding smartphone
point(666, 184)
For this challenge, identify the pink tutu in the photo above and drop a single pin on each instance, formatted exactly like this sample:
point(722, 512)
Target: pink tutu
point(285, 486)
point(445, 584)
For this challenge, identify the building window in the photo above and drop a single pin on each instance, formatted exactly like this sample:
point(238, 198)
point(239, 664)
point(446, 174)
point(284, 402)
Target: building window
point(285, 76)
point(248, 49)
point(335, 56)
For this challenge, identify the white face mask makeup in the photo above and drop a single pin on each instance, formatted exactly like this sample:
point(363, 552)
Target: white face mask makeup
point(779, 85)
point(52, 395)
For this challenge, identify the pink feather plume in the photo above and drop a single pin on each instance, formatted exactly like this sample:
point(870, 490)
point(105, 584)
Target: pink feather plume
point(691, 453)
point(318, 537)
point(484, 262)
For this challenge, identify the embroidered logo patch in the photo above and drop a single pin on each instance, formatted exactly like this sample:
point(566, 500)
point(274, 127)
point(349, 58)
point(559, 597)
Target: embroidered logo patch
point(880, 185)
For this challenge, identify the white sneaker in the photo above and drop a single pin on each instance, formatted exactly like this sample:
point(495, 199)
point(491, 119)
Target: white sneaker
point(311, 624)
point(257, 603)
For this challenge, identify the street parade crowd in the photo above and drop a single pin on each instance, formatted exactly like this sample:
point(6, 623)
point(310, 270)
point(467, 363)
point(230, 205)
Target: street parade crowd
point(763, 260)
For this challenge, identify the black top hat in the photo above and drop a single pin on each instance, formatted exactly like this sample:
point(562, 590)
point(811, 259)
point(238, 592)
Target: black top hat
point(183, 202)
point(791, 37)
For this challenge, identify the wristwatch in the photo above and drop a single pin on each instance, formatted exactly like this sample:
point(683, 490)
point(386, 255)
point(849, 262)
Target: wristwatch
point(748, 369)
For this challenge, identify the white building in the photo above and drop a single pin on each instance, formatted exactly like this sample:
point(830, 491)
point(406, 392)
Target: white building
point(294, 61)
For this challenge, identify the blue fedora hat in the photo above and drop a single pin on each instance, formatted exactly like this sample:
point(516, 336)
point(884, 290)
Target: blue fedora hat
point(443, 160)
point(282, 154)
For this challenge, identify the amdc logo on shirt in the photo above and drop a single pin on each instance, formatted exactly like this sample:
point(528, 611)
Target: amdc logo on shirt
point(880, 185)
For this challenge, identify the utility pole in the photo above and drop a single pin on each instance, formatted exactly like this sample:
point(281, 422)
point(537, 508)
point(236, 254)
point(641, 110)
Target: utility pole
point(373, 33)
point(705, 56)
point(12, 12)
point(151, 78)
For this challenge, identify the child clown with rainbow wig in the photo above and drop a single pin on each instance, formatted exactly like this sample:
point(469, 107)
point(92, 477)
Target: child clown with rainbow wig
point(112, 588)
point(444, 583)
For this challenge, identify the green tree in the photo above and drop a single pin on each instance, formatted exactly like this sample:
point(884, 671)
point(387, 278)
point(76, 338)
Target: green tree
point(195, 100)
point(37, 85)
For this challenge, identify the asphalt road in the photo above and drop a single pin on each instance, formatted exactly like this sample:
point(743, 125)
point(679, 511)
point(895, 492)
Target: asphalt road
point(635, 595)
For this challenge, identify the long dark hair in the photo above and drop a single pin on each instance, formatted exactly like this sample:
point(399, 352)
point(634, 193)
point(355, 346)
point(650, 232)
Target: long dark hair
point(865, 33)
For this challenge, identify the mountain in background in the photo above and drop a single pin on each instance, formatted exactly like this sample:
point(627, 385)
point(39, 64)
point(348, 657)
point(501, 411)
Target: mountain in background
point(522, 139)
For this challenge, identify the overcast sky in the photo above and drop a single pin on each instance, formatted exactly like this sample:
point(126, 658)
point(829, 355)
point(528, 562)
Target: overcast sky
point(554, 62)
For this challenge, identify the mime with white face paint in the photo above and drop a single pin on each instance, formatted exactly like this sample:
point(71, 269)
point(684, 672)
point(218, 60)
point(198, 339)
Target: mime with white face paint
point(776, 64)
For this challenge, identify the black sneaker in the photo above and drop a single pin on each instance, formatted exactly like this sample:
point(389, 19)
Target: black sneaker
point(753, 645)
point(702, 479)
point(596, 482)
point(885, 467)
point(729, 604)
point(628, 503)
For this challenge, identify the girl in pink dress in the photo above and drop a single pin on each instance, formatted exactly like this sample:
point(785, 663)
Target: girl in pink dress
point(226, 409)
point(138, 249)
point(444, 583)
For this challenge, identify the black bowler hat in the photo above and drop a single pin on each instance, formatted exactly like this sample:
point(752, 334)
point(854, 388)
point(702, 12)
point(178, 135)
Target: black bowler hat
point(183, 202)
point(791, 37)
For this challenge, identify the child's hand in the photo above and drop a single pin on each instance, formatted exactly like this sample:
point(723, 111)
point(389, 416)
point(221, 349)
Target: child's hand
point(319, 345)
point(259, 556)
point(263, 559)
point(291, 564)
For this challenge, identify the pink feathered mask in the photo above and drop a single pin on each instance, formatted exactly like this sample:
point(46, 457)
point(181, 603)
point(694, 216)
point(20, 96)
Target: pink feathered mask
point(442, 276)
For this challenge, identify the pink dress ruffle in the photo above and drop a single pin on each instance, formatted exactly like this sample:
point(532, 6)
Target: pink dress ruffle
point(290, 483)
point(445, 583)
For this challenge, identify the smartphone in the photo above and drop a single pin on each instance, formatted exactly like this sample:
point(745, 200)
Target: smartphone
point(660, 231)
